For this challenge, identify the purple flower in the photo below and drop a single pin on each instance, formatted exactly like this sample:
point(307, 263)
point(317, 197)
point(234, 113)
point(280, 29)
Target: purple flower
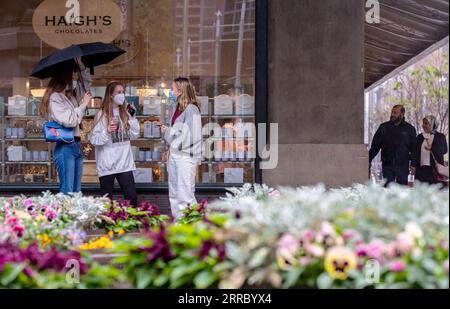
point(237, 214)
point(160, 248)
point(208, 245)
point(49, 260)
point(118, 212)
point(203, 205)
point(398, 266)
point(152, 209)
point(28, 272)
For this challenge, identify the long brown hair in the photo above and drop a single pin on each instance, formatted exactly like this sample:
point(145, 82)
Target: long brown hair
point(58, 83)
point(107, 105)
point(187, 93)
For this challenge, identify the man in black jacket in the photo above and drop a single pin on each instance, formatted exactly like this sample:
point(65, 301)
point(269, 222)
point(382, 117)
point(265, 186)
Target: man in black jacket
point(396, 139)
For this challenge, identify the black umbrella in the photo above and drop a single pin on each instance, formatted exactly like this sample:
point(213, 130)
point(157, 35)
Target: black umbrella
point(92, 54)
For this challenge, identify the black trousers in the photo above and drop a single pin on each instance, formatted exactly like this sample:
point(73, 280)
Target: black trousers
point(398, 174)
point(126, 182)
point(427, 174)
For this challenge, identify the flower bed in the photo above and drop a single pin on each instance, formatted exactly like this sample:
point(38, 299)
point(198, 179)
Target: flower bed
point(359, 237)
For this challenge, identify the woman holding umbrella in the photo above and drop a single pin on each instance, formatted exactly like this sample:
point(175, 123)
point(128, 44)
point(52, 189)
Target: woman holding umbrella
point(65, 102)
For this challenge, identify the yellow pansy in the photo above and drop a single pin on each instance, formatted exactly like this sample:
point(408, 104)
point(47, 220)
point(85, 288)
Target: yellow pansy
point(339, 262)
point(45, 240)
point(103, 242)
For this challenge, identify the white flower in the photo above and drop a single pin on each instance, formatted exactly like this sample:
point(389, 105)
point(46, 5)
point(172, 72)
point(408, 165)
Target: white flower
point(414, 230)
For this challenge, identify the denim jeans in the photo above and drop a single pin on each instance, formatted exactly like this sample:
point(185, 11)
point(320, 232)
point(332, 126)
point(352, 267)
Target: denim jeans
point(69, 164)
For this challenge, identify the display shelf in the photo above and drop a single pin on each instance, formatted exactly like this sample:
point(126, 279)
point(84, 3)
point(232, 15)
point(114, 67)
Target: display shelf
point(148, 116)
point(32, 143)
point(144, 139)
point(23, 139)
point(20, 116)
point(28, 162)
point(231, 116)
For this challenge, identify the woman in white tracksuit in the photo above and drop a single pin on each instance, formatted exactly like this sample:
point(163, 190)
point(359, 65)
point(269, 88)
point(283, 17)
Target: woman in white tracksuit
point(113, 129)
point(184, 136)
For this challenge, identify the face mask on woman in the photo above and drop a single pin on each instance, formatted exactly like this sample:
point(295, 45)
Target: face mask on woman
point(72, 86)
point(172, 96)
point(119, 99)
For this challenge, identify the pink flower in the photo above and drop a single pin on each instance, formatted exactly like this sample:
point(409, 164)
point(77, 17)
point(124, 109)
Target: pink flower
point(350, 234)
point(305, 261)
point(374, 250)
point(327, 229)
point(58, 207)
point(398, 266)
point(315, 250)
point(362, 250)
point(29, 204)
point(404, 243)
point(275, 193)
point(12, 221)
point(288, 246)
point(444, 244)
point(308, 235)
point(51, 215)
point(19, 230)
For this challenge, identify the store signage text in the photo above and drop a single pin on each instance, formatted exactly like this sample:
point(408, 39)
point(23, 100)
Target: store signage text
point(63, 23)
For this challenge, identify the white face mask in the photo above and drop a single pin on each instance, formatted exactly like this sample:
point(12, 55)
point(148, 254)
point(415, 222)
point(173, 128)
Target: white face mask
point(74, 84)
point(119, 99)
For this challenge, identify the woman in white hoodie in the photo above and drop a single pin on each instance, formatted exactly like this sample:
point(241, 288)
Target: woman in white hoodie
point(113, 129)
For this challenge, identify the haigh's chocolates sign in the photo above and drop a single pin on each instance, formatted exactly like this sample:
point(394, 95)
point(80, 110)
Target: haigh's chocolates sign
point(61, 23)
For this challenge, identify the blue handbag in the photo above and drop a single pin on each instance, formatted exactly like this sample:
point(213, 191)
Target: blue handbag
point(54, 132)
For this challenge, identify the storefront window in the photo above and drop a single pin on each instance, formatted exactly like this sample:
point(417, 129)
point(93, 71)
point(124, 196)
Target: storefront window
point(211, 42)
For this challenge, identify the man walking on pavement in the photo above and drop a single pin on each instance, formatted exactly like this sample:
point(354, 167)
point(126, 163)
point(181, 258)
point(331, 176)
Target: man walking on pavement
point(396, 139)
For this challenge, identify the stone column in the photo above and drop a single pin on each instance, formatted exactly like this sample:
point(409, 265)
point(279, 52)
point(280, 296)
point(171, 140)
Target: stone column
point(316, 92)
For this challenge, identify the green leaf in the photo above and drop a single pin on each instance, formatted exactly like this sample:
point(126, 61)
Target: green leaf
point(204, 279)
point(161, 280)
point(10, 273)
point(292, 277)
point(324, 281)
point(143, 279)
point(178, 272)
point(258, 258)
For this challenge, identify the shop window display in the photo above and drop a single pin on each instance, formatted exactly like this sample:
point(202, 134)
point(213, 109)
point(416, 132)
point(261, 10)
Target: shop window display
point(161, 43)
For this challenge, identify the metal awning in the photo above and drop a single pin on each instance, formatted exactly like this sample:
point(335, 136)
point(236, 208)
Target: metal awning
point(406, 28)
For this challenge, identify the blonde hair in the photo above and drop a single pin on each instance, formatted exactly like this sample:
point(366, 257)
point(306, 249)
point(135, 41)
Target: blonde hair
point(187, 91)
point(107, 106)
